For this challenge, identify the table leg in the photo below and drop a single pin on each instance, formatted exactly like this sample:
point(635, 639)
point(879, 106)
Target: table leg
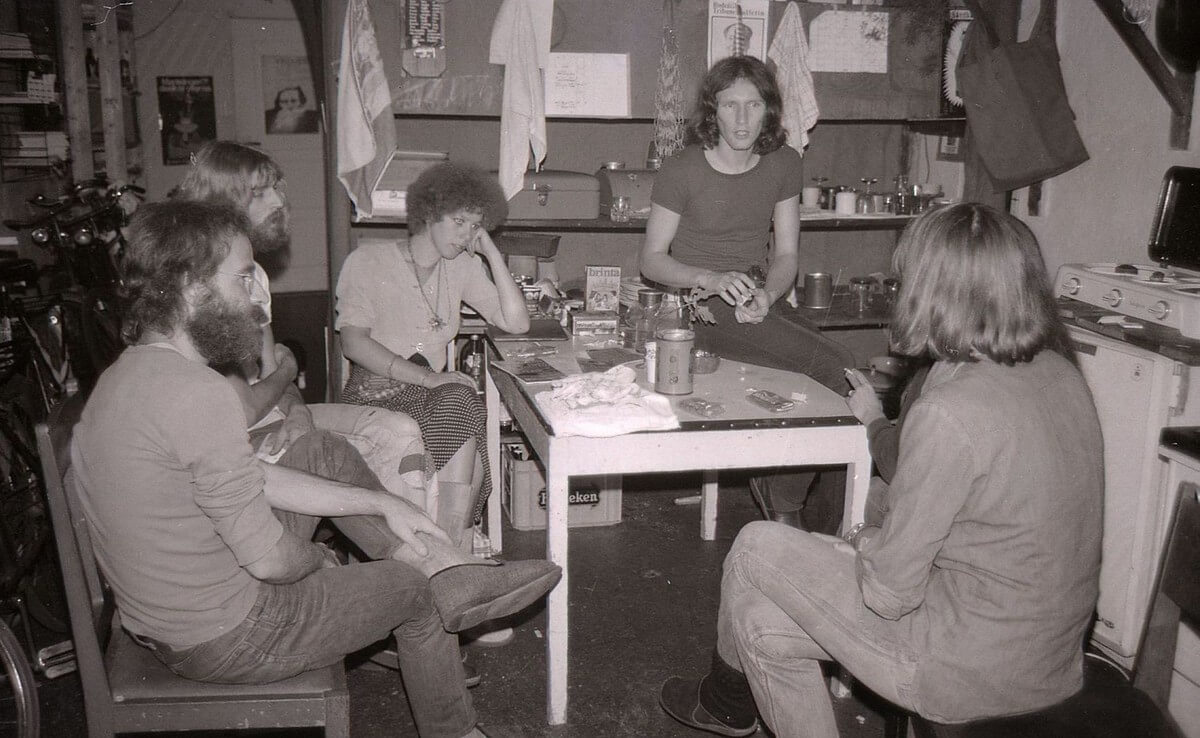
point(708, 505)
point(556, 609)
point(494, 523)
point(858, 482)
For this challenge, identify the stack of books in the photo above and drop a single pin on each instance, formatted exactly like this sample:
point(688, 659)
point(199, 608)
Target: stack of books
point(15, 43)
point(32, 148)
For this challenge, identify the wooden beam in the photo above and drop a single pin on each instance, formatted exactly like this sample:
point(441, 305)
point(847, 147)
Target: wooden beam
point(1147, 56)
point(71, 50)
point(112, 109)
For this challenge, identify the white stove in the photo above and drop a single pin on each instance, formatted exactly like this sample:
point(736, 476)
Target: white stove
point(1157, 295)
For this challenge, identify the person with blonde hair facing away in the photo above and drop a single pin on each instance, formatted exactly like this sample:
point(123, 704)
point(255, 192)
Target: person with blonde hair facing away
point(973, 598)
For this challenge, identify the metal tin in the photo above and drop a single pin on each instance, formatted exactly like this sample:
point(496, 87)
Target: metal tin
point(673, 365)
point(818, 290)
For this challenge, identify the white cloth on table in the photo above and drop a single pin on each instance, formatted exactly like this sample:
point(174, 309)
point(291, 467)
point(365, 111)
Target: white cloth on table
point(366, 129)
point(789, 51)
point(603, 404)
point(523, 110)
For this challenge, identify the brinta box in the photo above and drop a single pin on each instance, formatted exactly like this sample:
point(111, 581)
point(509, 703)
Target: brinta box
point(592, 501)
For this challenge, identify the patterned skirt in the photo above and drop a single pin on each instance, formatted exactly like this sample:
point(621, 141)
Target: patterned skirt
point(448, 415)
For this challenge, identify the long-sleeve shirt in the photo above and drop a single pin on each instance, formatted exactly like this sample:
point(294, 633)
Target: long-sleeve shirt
point(990, 553)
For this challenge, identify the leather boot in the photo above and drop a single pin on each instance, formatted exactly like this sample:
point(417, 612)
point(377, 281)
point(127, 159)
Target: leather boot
point(781, 497)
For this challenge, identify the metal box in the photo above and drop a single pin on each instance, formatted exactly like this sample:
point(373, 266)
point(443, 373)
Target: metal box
point(556, 195)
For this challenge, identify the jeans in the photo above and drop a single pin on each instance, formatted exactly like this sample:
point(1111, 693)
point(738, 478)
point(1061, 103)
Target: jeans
point(779, 344)
point(389, 442)
point(790, 600)
point(318, 620)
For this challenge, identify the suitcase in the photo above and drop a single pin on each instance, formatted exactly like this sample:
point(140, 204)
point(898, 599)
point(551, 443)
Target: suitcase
point(556, 195)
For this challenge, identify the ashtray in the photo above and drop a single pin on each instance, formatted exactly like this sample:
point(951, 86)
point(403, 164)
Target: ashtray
point(704, 362)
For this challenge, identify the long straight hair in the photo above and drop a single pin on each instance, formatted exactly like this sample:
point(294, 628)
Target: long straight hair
point(973, 280)
point(723, 74)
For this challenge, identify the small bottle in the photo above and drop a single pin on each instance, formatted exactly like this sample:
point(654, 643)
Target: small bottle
point(470, 361)
point(902, 200)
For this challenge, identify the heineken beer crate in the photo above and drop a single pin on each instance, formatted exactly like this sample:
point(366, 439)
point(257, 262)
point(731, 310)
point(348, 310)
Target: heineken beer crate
point(592, 500)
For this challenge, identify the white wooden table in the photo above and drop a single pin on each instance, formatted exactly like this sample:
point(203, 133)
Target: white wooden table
point(819, 431)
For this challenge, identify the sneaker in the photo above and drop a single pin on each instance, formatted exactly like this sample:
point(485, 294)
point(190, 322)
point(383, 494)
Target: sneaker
point(680, 698)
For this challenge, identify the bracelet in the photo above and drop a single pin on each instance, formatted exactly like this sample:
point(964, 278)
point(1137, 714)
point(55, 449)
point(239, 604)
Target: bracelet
point(853, 533)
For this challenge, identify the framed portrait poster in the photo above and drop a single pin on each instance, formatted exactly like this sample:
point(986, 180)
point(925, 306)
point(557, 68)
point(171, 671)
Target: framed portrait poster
point(189, 116)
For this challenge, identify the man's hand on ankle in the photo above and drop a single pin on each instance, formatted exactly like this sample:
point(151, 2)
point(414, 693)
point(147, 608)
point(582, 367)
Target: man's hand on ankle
point(410, 524)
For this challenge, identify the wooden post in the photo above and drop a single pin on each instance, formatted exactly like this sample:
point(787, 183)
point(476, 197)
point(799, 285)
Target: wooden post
point(112, 109)
point(71, 50)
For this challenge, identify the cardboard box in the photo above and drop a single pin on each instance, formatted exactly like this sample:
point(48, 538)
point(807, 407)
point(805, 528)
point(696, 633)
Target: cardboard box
point(593, 501)
point(585, 323)
point(602, 288)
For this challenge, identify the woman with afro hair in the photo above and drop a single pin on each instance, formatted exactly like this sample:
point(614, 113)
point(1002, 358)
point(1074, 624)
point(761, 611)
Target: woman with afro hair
point(398, 304)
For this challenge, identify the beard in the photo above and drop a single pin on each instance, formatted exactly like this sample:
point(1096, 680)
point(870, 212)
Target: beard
point(272, 235)
point(226, 336)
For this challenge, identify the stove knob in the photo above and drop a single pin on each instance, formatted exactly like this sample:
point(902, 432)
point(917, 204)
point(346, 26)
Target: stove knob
point(1160, 310)
point(1112, 298)
point(1072, 286)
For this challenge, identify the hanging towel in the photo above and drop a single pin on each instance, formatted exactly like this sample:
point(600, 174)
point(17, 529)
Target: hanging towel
point(789, 51)
point(366, 131)
point(523, 111)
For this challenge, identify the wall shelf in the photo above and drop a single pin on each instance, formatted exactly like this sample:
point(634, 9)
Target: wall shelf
point(604, 225)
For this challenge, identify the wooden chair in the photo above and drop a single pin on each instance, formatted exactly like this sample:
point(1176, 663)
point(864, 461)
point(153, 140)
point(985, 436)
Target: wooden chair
point(1109, 705)
point(126, 689)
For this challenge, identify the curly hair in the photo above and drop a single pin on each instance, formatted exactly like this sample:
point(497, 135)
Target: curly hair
point(172, 244)
point(704, 128)
point(227, 170)
point(973, 280)
point(447, 188)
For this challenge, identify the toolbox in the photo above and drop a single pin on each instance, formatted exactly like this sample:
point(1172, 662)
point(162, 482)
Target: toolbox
point(553, 194)
point(636, 184)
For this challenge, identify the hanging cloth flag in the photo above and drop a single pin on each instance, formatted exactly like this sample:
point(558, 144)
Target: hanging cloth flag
point(789, 51)
point(523, 110)
point(366, 130)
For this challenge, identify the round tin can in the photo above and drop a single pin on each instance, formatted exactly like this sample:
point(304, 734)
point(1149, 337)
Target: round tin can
point(818, 290)
point(673, 364)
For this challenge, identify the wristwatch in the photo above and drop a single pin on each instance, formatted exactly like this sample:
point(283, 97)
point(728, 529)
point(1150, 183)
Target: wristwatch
point(853, 533)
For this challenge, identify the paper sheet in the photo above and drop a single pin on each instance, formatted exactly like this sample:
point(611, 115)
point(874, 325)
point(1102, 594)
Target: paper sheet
point(588, 85)
point(737, 26)
point(848, 41)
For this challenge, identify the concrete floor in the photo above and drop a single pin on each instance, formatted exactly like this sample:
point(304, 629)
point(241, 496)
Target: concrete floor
point(644, 597)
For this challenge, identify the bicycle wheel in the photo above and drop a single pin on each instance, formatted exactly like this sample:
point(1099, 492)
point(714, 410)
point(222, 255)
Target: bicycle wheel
point(25, 715)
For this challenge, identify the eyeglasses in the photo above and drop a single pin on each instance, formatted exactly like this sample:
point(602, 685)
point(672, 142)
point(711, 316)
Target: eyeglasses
point(250, 283)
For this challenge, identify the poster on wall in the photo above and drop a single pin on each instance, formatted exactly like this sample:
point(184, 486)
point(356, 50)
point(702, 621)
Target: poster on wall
point(189, 116)
point(289, 105)
point(736, 28)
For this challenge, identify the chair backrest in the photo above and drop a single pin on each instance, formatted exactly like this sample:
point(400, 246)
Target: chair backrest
point(1176, 597)
point(88, 599)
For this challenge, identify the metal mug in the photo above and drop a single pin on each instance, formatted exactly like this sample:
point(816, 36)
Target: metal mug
point(818, 290)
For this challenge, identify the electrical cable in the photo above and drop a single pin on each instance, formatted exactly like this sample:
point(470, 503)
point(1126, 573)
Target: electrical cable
point(158, 25)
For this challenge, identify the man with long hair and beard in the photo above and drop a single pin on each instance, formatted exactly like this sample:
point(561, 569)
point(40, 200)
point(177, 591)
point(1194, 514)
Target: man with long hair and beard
point(390, 443)
point(208, 550)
